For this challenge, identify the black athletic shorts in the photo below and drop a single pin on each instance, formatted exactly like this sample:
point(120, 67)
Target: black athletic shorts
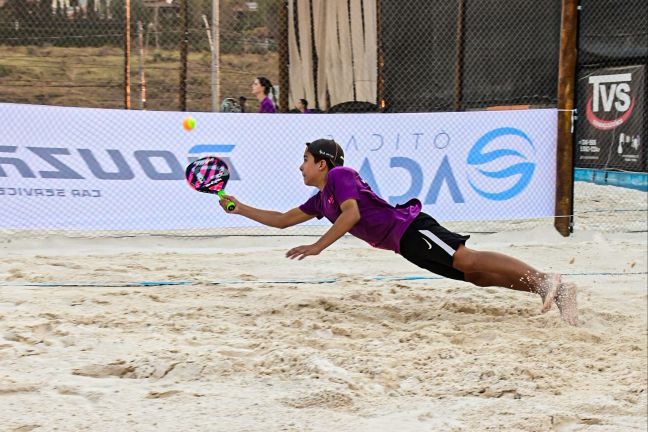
point(430, 246)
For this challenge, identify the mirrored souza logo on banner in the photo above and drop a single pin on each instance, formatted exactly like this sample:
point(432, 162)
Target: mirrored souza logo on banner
point(610, 103)
point(86, 167)
point(503, 162)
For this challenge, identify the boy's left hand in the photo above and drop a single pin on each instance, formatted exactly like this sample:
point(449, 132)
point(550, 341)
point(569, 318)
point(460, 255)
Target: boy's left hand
point(301, 252)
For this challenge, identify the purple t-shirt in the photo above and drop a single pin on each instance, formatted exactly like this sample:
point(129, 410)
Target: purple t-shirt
point(381, 224)
point(267, 106)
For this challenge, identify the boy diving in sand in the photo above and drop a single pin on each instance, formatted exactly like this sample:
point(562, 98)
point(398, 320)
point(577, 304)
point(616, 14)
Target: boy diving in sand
point(351, 206)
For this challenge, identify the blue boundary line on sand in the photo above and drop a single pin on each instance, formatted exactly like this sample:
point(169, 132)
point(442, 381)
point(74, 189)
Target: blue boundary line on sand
point(265, 281)
point(97, 284)
point(631, 180)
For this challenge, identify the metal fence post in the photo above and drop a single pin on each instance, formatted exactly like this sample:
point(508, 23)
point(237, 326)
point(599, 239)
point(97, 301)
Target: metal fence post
point(461, 18)
point(184, 48)
point(127, 54)
point(284, 59)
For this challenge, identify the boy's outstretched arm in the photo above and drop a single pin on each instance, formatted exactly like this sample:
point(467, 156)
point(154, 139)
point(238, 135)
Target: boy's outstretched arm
point(266, 217)
point(348, 218)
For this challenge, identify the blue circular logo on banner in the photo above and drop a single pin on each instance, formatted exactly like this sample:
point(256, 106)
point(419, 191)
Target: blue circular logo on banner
point(506, 170)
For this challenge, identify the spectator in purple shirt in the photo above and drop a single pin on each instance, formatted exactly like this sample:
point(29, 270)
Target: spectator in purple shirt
point(261, 88)
point(302, 106)
point(348, 202)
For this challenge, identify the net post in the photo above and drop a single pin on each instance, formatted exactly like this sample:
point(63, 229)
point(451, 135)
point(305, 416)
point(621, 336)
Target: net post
point(563, 221)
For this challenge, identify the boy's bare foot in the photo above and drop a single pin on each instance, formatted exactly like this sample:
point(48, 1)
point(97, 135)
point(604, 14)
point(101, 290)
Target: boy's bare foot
point(563, 294)
point(566, 302)
point(549, 291)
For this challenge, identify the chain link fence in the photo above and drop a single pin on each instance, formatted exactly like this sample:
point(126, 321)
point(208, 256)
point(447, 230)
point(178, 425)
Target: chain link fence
point(611, 105)
point(340, 56)
point(470, 54)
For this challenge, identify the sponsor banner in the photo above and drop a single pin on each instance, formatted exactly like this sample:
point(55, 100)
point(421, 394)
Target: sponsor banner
point(610, 131)
point(76, 168)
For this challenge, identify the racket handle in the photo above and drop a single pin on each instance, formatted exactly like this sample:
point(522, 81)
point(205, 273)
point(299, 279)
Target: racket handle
point(230, 204)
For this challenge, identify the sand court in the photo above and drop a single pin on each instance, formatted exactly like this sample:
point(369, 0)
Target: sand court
point(237, 346)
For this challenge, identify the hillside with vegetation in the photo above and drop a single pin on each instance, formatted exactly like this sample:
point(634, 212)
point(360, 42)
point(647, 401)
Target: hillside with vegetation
point(73, 54)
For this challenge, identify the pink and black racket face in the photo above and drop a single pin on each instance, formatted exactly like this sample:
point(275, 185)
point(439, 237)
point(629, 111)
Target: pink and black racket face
point(208, 174)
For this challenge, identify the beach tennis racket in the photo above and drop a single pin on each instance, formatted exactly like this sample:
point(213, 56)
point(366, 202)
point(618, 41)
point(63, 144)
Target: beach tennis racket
point(209, 175)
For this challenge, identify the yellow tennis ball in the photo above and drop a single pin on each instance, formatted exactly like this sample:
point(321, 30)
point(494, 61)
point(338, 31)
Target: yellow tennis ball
point(189, 123)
